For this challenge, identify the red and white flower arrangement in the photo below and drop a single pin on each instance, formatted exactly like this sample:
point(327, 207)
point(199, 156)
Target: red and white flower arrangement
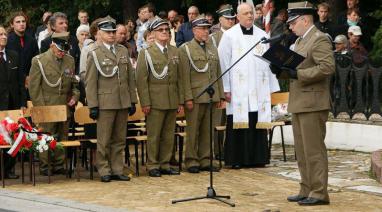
point(21, 136)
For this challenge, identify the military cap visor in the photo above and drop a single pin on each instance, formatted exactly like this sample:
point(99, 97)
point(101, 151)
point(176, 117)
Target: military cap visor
point(297, 12)
point(227, 13)
point(200, 22)
point(62, 45)
point(107, 26)
point(156, 23)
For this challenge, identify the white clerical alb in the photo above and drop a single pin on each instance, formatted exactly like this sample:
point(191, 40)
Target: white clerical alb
point(250, 81)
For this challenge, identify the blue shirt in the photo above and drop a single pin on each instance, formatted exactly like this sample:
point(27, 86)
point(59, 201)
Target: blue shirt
point(184, 34)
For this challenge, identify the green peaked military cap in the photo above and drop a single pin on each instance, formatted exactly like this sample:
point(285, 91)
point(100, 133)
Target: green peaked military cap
point(61, 40)
point(297, 9)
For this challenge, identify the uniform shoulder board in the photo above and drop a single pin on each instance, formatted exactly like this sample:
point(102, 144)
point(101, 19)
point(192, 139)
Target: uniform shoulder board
point(120, 45)
point(93, 47)
point(184, 44)
point(69, 55)
point(212, 34)
point(38, 56)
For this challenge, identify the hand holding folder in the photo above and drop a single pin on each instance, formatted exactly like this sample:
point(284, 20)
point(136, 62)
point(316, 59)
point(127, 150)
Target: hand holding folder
point(282, 59)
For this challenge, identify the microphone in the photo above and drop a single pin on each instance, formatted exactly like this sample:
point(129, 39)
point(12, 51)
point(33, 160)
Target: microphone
point(273, 39)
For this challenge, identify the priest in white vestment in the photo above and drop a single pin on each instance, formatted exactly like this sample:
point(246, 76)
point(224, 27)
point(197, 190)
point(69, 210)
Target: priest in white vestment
point(247, 87)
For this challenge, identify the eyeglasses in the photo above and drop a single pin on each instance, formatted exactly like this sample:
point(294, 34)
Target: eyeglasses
point(163, 30)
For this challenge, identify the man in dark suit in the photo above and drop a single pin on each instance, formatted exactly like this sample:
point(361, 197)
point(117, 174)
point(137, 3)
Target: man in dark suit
point(309, 103)
point(185, 33)
point(59, 23)
point(12, 89)
point(21, 42)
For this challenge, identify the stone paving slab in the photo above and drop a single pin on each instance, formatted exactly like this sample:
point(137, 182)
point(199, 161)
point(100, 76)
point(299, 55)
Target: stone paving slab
point(263, 189)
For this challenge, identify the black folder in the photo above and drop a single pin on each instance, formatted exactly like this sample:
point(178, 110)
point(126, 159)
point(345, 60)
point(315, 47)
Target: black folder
point(282, 56)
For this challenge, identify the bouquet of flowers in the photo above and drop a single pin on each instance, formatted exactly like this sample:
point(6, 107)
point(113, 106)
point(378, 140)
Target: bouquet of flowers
point(21, 136)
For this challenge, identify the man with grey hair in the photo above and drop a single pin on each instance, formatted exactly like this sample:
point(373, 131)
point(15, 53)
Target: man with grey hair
point(247, 89)
point(59, 23)
point(185, 33)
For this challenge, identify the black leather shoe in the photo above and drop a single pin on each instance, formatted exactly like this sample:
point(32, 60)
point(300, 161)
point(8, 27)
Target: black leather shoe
point(207, 168)
point(155, 173)
point(120, 177)
point(295, 198)
point(106, 178)
point(11, 176)
point(170, 171)
point(236, 167)
point(193, 169)
point(310, 201)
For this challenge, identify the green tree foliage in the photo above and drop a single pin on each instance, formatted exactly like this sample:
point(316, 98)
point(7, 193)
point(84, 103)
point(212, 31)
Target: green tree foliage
point(376, 53)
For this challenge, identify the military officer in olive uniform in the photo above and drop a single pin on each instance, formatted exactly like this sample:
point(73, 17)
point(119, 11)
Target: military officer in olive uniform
point(161, 96)
point(227, 18)
point(111, 96)
point(309, 103)
point(52, 82)
point(200, 65)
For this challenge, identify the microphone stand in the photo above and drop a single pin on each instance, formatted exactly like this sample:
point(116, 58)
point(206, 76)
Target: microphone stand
point(211, 193)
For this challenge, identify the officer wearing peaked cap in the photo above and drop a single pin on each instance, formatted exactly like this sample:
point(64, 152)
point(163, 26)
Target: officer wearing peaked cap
point(111, 97)
point(52, 82)
point(227, 19)
point(161, 96)
point(200, 66)
point(309, 103)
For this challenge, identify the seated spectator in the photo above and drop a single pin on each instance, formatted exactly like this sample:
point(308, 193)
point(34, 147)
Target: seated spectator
point(82, 34)
point(358, 51)
point(341, 44)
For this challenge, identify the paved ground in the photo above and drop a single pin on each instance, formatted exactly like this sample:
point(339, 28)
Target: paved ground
point(251, 189)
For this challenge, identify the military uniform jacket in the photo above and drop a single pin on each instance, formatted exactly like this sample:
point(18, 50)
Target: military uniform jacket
point(41, 92)
point(216, 37)
point(311, 91)
point(112, 92)
point(159, 92)
point(195, 82)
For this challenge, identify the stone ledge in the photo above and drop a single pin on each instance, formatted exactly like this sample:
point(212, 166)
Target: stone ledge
point(376, 164)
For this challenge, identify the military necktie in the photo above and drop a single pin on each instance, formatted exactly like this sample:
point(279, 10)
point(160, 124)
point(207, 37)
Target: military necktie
point(2, 57)
point(112, 50)
point(165, 51)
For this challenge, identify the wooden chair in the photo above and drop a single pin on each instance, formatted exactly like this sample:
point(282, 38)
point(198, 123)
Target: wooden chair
point(137, 120)
point(276, 98)
point(49, 114)
point(14, 115)
point(87, 140)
